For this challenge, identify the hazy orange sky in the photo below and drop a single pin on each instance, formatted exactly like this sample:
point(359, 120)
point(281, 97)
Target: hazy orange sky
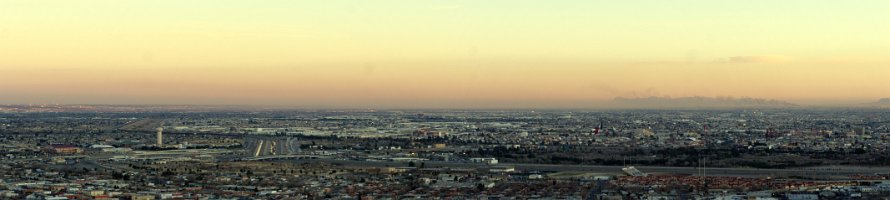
point(440, 54)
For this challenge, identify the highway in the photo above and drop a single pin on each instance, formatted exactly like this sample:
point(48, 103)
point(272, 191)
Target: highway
point(818, 172)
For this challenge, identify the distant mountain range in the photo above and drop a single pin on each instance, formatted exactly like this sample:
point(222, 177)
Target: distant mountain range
point(881, 103)
point(699, 103)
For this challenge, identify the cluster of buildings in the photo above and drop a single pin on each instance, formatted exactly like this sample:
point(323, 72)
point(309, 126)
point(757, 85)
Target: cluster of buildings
point(445, 155)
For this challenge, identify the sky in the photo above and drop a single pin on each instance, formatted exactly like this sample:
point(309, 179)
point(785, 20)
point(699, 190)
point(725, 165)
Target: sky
point(440, 54)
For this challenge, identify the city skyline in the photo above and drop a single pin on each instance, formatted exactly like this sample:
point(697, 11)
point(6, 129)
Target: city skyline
point(440, 54)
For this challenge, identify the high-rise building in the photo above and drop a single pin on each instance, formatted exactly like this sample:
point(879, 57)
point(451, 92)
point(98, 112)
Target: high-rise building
point(160, 135)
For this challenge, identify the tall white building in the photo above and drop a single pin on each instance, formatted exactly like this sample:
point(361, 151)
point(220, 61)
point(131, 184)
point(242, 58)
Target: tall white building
point(160, 135)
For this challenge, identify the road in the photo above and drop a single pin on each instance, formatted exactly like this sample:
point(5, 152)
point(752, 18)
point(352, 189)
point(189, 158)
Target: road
point(823, 172)
point(142, 125)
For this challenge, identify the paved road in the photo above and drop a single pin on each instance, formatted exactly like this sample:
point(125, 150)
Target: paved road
point(743, 172)
point(142, 125)
point(828, 171)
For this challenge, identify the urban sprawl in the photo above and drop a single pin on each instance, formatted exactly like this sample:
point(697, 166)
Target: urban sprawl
point(90, 152)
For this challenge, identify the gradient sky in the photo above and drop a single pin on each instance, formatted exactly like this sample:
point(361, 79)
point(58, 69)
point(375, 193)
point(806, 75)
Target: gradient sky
point(416, 53)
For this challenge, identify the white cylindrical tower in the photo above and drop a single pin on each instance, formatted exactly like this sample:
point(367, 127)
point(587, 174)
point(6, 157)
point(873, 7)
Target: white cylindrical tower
point(160, 135)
